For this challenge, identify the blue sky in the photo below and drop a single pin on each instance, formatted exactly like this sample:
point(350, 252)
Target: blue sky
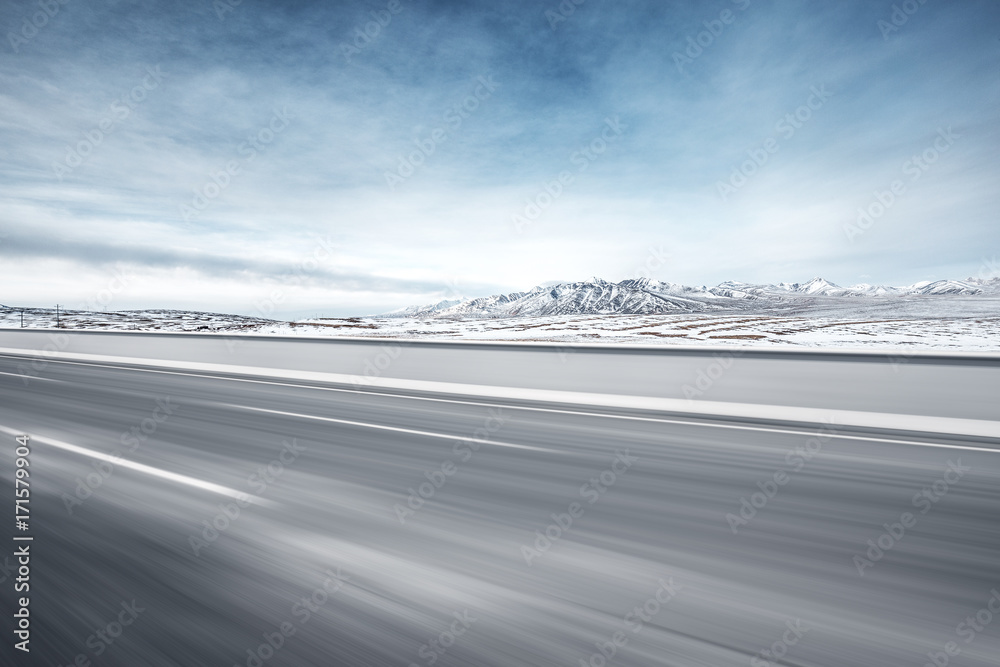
point(274, 158)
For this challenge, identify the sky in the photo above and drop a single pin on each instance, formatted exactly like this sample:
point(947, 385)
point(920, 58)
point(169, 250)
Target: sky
point(292, 159)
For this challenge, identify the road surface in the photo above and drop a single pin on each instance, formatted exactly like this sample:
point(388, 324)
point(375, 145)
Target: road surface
point(195, 517)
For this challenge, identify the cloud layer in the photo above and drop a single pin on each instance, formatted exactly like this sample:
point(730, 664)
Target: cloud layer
point(356, 157)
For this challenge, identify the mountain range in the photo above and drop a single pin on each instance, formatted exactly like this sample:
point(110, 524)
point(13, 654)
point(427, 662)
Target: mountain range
point(647, 296)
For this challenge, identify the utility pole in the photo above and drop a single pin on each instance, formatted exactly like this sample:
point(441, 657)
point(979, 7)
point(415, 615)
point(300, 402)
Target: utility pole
point(58, 326)
point(22, 318)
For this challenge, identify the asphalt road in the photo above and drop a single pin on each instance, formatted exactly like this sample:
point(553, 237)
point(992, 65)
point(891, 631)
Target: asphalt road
point(185, 518)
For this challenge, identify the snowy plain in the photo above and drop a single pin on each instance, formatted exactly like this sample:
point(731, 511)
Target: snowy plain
point(945, 315)
point(939, 322)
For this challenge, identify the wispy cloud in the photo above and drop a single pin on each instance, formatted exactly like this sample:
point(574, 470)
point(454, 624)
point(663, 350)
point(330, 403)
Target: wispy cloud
point(352, 119)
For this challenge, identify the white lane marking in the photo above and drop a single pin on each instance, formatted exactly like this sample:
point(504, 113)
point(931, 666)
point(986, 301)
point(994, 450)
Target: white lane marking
point(664, 420)
point(141, 467)
point(827, 434)
point(32, 377)
point(397, 429)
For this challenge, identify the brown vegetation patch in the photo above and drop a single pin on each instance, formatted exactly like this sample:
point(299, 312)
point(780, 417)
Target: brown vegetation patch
point(741, 337)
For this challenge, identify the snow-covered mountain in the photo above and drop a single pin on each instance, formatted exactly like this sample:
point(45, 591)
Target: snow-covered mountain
point(646, 296)
point(411, 311)
point(945, 287)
